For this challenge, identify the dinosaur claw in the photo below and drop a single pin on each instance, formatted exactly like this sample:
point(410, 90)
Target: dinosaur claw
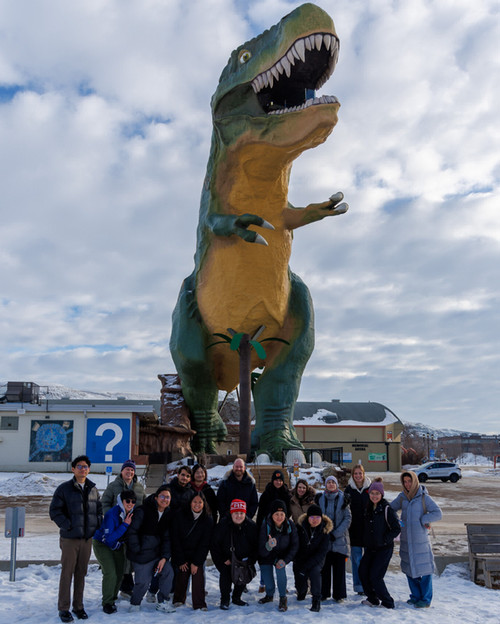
point(261, 240)
point(336, 197)
point(267, 225)
point(341, 208)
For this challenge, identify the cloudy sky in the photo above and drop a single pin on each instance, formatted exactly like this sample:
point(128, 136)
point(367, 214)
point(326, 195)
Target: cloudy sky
point(104, 136)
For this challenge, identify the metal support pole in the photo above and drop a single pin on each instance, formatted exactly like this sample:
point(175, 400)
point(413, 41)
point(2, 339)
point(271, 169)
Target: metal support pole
point(13, 544)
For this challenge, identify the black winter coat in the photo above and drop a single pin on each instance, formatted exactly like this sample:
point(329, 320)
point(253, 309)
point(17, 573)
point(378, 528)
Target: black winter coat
point(269, 495)
point(313, 543)
point(230, 488)
point(148, 536)
point(381, 526)
point(181, 495)
point(358, 502)
point(287, 542)
point(244, 538)
point(210, 497)
point(77, 512)
point(191, 538)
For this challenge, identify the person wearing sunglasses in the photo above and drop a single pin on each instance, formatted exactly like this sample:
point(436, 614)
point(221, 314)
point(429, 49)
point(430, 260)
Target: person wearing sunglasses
point(108, 547)
point(76, 509)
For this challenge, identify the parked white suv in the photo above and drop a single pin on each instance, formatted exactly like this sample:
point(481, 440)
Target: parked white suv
point(444, 470)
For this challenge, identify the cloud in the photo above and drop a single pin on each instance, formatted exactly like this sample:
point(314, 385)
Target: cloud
point(105, 129)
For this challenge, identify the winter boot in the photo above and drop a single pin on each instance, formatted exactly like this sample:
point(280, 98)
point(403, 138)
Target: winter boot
point(316, 604)
point(283, 606)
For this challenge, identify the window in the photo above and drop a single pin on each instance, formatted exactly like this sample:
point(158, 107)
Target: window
point(9, 422)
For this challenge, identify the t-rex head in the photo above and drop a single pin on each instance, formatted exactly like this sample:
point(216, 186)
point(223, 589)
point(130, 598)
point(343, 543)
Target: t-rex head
point(266, 92)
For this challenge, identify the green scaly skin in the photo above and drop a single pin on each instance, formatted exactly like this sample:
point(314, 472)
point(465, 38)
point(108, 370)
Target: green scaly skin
point(253, 147)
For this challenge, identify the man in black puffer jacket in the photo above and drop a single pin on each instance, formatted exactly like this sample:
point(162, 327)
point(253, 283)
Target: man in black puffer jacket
point(77, 511)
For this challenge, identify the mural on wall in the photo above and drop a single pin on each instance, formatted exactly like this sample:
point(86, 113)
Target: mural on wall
point(108, 440)
point(51, 441)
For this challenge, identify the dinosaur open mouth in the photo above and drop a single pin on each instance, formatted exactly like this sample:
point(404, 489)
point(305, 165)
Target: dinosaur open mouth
point(290, 84)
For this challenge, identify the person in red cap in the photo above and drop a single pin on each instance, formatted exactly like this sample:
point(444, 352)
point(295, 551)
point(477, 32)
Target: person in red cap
point(237, 534)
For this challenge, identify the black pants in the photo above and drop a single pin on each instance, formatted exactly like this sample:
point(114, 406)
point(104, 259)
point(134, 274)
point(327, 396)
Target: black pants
point(225, 582)
point(302, 575)
point(372, 569)
point(333, 575)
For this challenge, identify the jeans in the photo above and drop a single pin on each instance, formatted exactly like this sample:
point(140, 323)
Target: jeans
point(421, 588)
point(356, 554)
point(266, 571)
point(143, 575)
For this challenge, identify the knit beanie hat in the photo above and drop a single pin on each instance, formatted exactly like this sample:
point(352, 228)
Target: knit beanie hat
point(314, 510)
point(238, 505)
point(376, 486)
point(128, 464)
point(278, 474)
point(277, 505)
point(332, 478)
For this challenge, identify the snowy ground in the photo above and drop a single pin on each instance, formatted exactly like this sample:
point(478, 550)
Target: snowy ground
point(33, 596)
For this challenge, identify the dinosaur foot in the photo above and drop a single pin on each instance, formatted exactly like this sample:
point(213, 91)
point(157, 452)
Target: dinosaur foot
point(275, 442)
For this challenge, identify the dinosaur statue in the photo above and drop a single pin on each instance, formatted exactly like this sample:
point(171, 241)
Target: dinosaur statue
point(265, 114)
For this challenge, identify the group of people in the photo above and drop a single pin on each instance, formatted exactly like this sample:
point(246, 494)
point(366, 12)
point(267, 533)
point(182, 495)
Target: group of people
point(155, 545)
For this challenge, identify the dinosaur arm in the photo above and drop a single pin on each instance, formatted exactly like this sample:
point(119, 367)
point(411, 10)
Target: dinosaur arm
point(296, 217)
point(228, 225)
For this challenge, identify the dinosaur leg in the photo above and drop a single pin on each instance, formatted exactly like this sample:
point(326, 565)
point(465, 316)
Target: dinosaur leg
point(277, 389)
point(188, 348)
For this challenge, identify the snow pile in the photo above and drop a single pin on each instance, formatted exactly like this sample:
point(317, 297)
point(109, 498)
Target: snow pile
point(469, 459)
point(29, 484)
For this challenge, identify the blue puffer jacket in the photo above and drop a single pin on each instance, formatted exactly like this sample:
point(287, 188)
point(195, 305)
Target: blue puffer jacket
point(415, 547)
point(113, 528)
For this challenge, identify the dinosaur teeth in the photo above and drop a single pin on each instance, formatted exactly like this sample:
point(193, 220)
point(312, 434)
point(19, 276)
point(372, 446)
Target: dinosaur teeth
point(299, 49)
point(286, 64)
point(297, 52)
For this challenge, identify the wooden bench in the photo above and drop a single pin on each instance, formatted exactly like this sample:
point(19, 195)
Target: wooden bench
point(484, 551)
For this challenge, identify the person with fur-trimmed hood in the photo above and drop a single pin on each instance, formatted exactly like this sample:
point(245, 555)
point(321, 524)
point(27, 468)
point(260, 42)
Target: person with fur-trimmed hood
point(357, 490)
point(313, 528)
point(302, 498)
point(418, 510)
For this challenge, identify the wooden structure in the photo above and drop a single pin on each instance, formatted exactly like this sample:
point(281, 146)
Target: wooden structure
point(484, 553)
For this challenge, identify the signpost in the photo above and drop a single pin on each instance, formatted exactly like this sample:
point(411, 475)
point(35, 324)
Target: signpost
point(14, 528)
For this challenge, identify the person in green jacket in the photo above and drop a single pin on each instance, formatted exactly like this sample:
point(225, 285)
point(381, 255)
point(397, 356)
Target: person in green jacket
point(126, 480)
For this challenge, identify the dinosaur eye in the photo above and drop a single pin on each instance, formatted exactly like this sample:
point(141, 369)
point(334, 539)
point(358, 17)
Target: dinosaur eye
point(244, 56)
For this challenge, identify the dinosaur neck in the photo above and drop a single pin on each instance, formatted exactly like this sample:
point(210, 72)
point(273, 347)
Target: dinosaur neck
point(253, 177)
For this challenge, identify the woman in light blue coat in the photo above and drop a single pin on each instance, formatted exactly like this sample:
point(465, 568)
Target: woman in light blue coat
point(418, 510)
